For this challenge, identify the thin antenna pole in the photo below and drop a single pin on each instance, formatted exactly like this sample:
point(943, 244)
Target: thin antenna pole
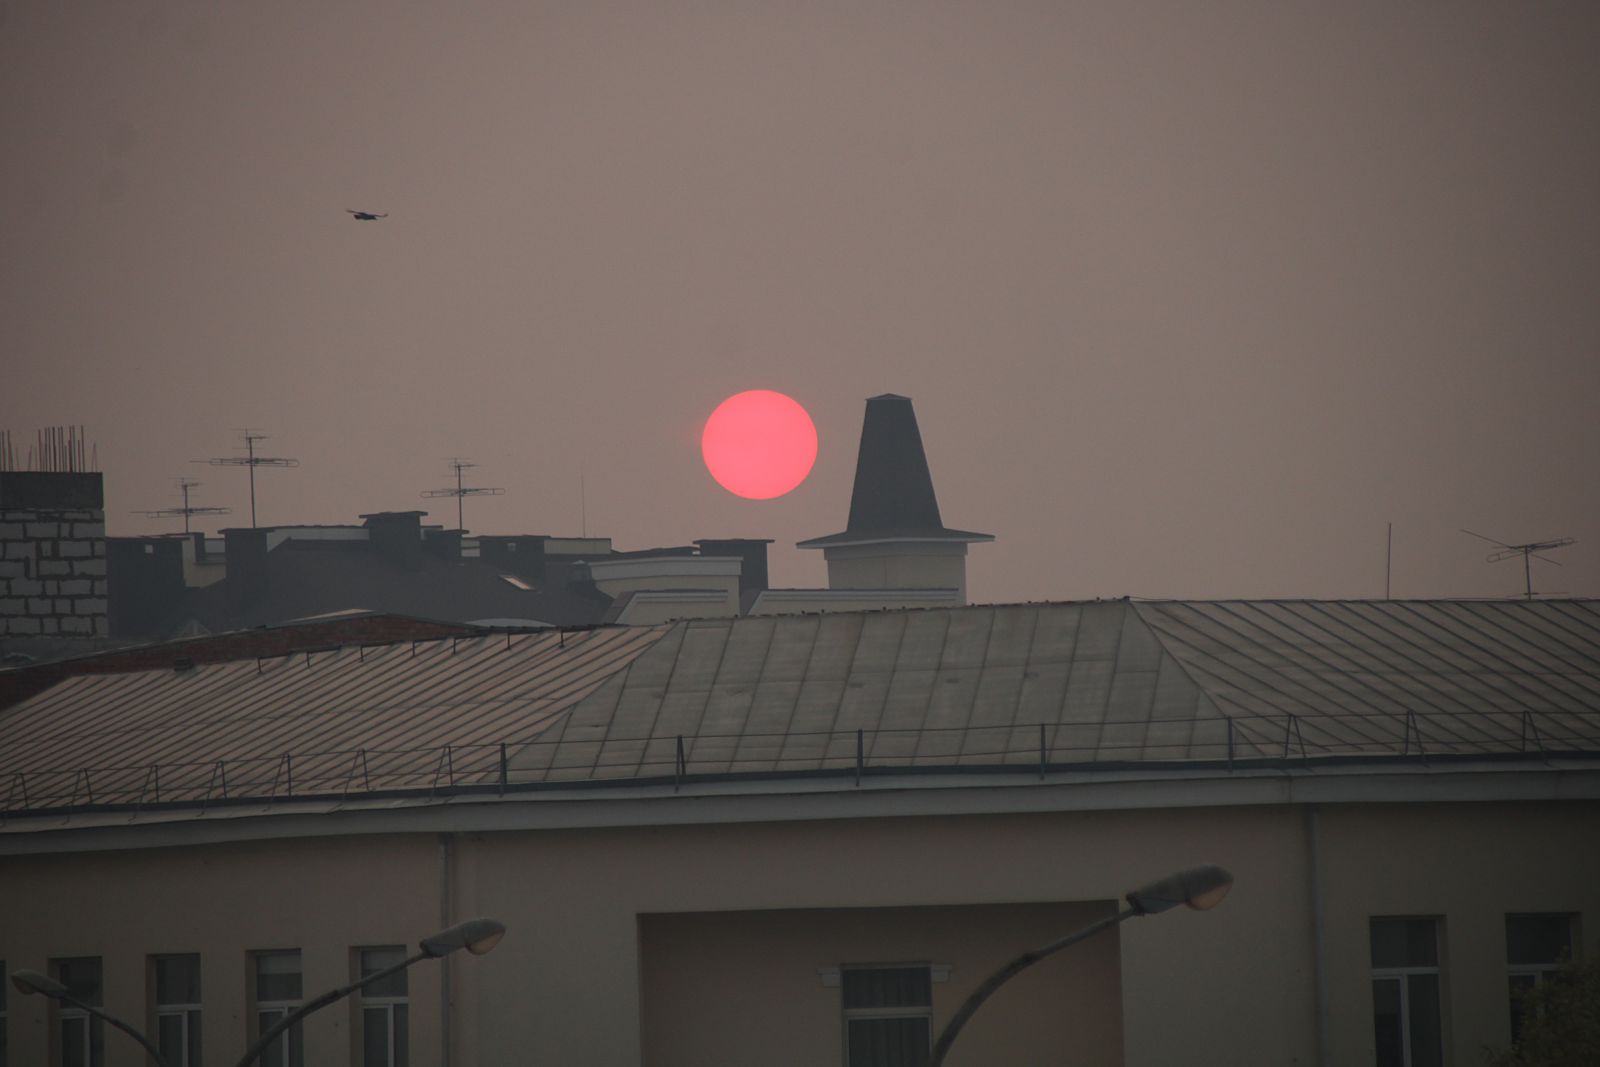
point(1527, 570)
point(252, 461)
point(583, 505)
point(1388, 561)
point(461, 491)
point(250, 447)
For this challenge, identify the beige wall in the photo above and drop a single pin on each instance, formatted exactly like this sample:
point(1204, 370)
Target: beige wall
point(716, 985)
point(799, 602)
point(578, 894)
point(1469, 865)
point(320, 896)
point(570, 983)
point(903, 565)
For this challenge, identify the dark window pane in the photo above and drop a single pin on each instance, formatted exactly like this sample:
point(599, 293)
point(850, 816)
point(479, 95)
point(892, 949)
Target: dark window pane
point(1538, 939)
point(375, 1037)
point(277, 976)
point(74, 1043)
point(273, 1054)
point(285, 1050)
point(376, 959)
point(1386, 1022)
point(194, 1040)
point(81, 976)
point(177, 979)
point(1427, 1034)
point(888, 1042)
point(887, 987)
point(1404, 943)
point(169, 1037)
point(3, 1059)
point(402, 1037)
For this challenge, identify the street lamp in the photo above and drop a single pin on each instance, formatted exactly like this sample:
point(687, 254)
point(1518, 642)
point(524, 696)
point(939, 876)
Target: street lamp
point(29, 982)
point(477, 936)
point(1200, 888)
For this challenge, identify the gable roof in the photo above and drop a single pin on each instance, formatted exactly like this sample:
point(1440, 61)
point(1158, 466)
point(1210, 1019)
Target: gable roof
point(1095, 684)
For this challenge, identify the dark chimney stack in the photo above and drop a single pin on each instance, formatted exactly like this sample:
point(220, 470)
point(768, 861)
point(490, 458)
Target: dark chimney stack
point(396, 537)
point(751, 553)
point(442, 544)
point(245, 554)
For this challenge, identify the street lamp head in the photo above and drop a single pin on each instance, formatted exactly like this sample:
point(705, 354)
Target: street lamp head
point(1200, 888)
point(34, 982)
point(477, 936)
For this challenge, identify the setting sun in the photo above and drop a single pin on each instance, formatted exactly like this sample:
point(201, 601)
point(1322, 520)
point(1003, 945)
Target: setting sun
point(759, 444)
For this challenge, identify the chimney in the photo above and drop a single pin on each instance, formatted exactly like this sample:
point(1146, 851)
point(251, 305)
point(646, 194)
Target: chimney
point(752, 555)
point(442, 544)
point(144, 579)
point(895, 538)
point(245, 555)
point(396, 537)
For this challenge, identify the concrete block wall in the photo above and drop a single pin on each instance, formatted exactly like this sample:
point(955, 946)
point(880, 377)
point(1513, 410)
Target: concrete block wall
point(52, 555)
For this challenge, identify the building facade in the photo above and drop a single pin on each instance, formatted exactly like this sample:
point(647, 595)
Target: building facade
point(806, 840)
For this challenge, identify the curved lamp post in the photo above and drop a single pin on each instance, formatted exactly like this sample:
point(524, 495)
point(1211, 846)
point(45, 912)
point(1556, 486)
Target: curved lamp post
point(33, 982)
point(1200, 888)
point(477, 936)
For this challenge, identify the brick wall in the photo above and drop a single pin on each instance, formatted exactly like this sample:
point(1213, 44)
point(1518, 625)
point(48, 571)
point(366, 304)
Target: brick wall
point(52, 555)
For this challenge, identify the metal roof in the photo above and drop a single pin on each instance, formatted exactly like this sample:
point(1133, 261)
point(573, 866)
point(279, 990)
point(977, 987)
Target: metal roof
point(1112, 683)
point(397, 716)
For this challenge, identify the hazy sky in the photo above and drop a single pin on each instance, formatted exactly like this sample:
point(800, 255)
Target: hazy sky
point(1192, 298)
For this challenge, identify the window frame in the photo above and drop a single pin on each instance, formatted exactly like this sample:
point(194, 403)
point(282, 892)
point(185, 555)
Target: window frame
point(867, 1014)
point(1402, 976)
point(184, 1012)
point(385, 1003)
point(293, 1039)
point(1539, 972)
point(64, 1015)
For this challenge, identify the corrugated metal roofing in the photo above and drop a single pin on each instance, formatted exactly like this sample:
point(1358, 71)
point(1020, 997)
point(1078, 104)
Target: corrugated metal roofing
point(1091, 682)
point(1064, 684)
point(350, 719)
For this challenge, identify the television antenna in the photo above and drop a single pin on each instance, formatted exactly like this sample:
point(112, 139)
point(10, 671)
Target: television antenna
point(460, 491)
point(1527, 552)
point(184, 485)
point(251, 460)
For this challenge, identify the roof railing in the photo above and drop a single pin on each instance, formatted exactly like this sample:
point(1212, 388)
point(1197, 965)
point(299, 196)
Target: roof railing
point(500, 766)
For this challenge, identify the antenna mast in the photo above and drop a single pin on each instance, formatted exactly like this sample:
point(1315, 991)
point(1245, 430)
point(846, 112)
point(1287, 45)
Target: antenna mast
point(461, 491)
point(1527, 552)
point(184, 485)
point(251, 460)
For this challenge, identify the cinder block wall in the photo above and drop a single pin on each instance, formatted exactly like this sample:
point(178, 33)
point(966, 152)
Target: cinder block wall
point(52, 555)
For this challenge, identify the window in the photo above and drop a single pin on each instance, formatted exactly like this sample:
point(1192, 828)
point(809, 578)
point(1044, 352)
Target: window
point(83, 1036)
point(1536, 947)
point(385, 1039)
point(177, 982)
point(1405, 992)
point(3, 985)
point(888, 1015)
point(277, 994)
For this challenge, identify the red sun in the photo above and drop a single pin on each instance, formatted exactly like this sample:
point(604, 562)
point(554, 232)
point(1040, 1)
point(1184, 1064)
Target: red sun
point(759, 444)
